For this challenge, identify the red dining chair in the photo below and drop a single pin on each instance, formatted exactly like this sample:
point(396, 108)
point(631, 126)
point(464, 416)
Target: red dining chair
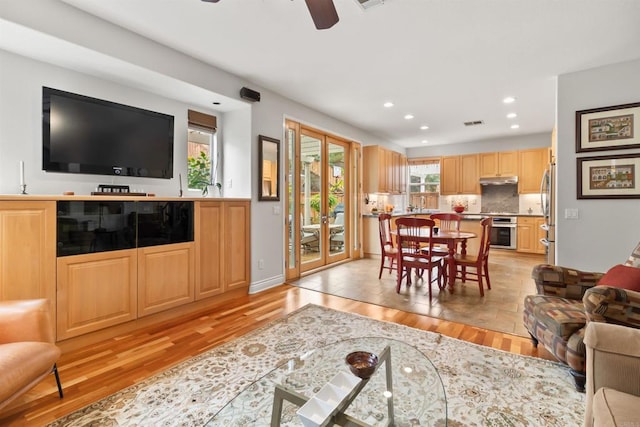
point(446, 221)
point(412, 232)
point(389, 252)
point(479, 262)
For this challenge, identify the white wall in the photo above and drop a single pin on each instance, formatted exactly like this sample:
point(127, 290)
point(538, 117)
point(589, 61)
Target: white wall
point(516, 142)
point(21, 128)
point(184, 80)
point(607, 230)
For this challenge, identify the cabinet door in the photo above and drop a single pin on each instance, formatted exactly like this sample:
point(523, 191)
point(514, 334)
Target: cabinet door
point(208, 231)
point(95, 291)
point(449, 175)
point(236, 247)
point(526, 235)
point(28, 250)
point(488, 164)
point(508, 163)
point(404, 171)
point(165, 277)
point(395, 171)
point(469, 177)
point(532, 166)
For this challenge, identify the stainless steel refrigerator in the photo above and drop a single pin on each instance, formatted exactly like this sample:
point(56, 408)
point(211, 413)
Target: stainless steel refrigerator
point(547, 201)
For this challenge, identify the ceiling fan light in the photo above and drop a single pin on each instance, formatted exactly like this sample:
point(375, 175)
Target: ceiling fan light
point(323, 13)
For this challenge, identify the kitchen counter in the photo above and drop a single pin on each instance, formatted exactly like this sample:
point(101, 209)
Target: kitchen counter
point(466, 216)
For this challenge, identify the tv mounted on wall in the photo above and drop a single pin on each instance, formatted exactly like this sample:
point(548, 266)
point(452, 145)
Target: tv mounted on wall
point(86, 135)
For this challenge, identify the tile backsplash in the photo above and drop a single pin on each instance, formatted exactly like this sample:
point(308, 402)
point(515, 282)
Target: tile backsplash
point(500, 198)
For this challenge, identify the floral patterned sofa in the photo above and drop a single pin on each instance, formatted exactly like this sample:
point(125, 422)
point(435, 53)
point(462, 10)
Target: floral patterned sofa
point(567, 299)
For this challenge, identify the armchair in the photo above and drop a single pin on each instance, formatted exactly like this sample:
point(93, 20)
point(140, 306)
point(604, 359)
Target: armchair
point(613, 375)
point(27, 352)
point(567, 299)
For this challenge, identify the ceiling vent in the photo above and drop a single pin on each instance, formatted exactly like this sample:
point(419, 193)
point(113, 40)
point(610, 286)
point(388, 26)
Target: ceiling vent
point(474, 123)
point(366, 4)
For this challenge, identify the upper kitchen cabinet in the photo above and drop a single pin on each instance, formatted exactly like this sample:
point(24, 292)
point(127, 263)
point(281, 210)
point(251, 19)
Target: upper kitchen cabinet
point(504, 163)
point(459, 175)
point(384, 170)
point(532, 164)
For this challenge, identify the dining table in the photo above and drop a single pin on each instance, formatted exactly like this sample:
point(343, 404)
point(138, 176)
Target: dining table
point(450, 238)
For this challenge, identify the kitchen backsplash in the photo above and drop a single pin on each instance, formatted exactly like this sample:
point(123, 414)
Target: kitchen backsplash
point(500, 198)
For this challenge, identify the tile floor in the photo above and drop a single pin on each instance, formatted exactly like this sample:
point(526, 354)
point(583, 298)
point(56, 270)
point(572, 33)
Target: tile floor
point(499, 310)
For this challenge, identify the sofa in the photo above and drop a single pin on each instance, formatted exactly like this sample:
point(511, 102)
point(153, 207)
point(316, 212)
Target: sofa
point(567, 299)
point(613, 375)
point(27, 349)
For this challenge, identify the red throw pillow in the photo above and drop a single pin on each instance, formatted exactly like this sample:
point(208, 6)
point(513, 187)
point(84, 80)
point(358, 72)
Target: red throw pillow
point(622, 276)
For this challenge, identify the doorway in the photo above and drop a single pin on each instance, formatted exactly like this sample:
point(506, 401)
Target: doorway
point(319, 179)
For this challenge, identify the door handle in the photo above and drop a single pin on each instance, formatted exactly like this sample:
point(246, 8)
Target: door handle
point(545, 242)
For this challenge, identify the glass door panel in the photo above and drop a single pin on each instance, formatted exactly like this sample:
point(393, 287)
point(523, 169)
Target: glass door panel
point(337, 184)
point(292, 221)
point(313, 213)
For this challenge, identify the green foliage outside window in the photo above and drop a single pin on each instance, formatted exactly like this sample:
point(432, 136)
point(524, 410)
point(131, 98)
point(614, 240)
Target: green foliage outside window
point(199, 172)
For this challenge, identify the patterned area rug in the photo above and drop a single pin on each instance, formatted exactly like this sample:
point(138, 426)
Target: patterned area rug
point(484, 387)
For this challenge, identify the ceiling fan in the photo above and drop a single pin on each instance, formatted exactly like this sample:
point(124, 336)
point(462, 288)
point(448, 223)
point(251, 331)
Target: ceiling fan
point(323, 12)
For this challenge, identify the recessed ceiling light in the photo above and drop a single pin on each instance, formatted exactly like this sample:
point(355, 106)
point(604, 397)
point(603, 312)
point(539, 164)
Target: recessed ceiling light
point(388, 104)
point(515, 126)
point(512, 116)
point(408, 116)
point(508, 100)
point(424, 127)
point(424, 141)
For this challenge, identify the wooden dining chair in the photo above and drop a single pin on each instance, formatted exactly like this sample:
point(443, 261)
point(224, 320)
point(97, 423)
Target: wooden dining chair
point(446, 221)
point(412, 234)
point(479, 263)
point(389, 251)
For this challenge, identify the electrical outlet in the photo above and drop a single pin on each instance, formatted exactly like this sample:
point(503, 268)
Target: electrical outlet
point(230, 183)
point(261, 264)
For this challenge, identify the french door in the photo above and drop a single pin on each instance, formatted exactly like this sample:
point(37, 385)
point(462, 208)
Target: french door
point(318, 199)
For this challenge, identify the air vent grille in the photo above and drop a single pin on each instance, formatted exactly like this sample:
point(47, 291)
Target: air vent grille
point(474, 123)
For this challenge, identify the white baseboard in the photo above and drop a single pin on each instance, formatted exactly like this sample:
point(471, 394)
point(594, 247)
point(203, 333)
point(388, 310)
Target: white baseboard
point(265, 284)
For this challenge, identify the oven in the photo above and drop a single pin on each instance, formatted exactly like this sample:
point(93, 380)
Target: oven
point(503, 232)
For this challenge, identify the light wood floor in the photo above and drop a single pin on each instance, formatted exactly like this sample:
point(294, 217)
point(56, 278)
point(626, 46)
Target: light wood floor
point(89, 374)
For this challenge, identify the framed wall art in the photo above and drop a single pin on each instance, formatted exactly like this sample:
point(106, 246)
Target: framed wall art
point(608, 128)
point(609, 177)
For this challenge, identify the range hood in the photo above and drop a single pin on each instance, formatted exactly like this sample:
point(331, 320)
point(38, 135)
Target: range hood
point(499, 180)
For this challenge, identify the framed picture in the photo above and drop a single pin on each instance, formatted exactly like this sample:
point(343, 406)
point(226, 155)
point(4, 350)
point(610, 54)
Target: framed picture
point(269, 157)
point(608, 177)
point(608, 128)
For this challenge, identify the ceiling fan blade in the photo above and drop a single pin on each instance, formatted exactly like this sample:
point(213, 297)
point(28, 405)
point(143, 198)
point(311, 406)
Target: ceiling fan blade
point(211, 1)
point(323, 13)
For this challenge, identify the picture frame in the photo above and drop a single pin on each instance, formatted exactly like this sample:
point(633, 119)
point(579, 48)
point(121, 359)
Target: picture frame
point(609, 177)
point(608, 128)
point(268, 169)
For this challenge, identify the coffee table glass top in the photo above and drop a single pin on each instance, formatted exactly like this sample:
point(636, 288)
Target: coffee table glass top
point(417, 394)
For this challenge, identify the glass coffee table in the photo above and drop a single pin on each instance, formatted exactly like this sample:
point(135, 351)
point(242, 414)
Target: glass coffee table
point(405, 390)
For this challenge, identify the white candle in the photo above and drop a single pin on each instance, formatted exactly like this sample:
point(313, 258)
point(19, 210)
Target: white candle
point(21, 172)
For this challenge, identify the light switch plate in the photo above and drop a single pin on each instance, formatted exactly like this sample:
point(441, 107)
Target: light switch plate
point(571, 214)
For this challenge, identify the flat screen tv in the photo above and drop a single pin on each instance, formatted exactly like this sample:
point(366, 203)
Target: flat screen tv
point(93, 136)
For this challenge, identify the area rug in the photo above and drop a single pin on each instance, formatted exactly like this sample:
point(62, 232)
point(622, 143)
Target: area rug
point(483, 386)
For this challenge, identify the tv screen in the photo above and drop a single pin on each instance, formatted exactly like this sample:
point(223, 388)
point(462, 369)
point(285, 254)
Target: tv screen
point(93, 136)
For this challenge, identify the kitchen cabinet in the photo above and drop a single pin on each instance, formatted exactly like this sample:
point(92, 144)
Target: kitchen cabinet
point(529, 235)
point(96, 291)
point(532, 164)
point(459, 175)
point(385, 171)
point(503, 163)
point(165, 277)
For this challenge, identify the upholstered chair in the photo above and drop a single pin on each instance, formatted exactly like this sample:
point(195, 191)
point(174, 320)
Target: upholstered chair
point(27, 349)
point(568, 298)
point(613, 375)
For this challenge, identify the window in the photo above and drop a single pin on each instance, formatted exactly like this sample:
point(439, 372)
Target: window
point(424, 183)
point(202, 152)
